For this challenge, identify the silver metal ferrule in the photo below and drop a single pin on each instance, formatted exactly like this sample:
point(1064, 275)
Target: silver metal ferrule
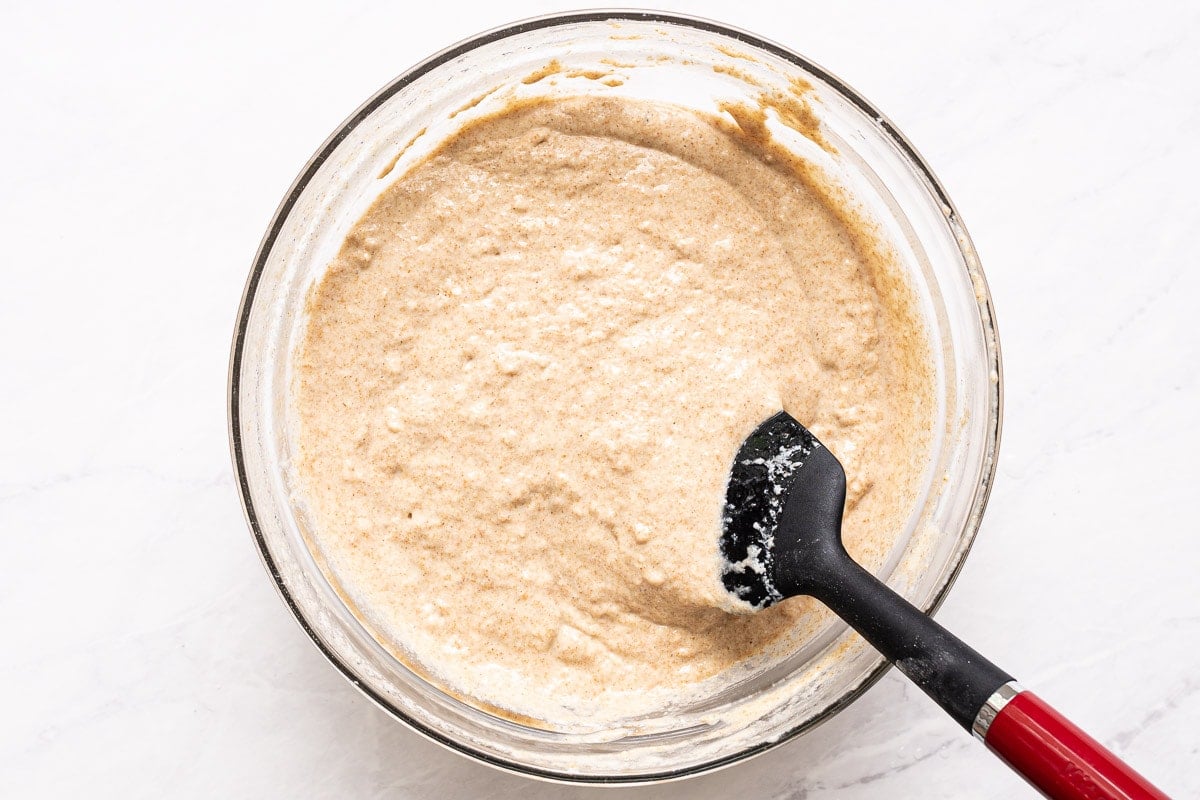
point(994, 705)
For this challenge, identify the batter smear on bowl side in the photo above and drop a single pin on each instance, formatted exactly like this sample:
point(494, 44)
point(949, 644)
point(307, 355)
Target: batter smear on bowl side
point(525, 376)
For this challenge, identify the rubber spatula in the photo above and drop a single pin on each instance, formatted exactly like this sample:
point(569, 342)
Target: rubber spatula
point(782, 536)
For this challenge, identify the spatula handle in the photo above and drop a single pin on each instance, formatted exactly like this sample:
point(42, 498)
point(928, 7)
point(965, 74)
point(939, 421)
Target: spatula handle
point(1057, 758)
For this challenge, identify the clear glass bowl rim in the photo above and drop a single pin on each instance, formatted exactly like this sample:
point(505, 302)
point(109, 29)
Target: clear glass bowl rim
point(986, 318)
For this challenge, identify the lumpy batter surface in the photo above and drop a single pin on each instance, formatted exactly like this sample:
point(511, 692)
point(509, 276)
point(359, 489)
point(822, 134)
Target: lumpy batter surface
point(525, 376)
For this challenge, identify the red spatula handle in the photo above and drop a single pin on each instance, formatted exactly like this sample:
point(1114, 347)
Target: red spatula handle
point(1057, 758)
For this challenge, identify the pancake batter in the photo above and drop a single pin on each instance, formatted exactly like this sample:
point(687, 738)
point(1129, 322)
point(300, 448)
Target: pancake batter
point(526, 374)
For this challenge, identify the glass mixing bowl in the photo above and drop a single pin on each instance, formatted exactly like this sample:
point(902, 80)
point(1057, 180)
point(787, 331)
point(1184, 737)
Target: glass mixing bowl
point(685, 61)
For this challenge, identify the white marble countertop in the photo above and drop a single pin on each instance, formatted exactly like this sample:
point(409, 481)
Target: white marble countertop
point(145, 653)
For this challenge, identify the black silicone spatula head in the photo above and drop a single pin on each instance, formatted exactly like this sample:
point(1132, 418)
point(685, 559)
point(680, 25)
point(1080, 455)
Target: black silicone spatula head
point(783, 508)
